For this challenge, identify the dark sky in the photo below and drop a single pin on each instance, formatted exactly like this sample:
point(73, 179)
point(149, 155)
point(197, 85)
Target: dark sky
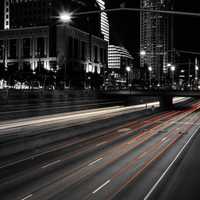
point(125, 27)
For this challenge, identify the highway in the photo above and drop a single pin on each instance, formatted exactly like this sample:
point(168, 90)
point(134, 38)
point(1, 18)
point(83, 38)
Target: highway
point(117, 152)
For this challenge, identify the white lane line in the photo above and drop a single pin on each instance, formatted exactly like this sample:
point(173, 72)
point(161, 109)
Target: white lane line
point(50, 164)
point(94, 162)
point(143, 154)
point(123, 130)
point(170, 166)
point(163, 139)
point(103, 185)
point(101, 144)
point(27, 197)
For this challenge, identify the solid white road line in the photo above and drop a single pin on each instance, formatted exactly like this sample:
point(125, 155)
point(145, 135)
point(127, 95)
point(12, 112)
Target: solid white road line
point(100, 144)
point(27, 197)
point(103, 185)
point(94, 162)
point(170, 166)
point(164, 139)
point(50, 164)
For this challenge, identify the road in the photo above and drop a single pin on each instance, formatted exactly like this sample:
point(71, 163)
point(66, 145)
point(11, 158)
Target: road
point(122, 160)
point(31, 107)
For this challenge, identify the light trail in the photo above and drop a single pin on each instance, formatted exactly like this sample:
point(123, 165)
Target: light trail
point(76, 116)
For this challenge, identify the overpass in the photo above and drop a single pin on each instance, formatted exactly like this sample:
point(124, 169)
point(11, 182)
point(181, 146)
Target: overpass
point(165, 96)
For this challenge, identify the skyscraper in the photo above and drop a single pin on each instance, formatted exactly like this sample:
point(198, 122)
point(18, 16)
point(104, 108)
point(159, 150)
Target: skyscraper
point(156, 37)
point(6, 14)
point(104, 21)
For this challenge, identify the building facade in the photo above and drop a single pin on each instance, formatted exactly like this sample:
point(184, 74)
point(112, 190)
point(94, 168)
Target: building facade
point(31, 48)
point(34, 37)
point(119, 57)
point(105, 30)
point(119, 60)
point(156, 37)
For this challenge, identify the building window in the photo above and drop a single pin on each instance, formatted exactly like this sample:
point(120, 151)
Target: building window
point(40, 47)
point(70, 47)
point(105, 56)
point(13, 49)
point(1, 49)
point(26, 47)
point(83, 51)
point(101, 55)
point(95, 54)
point(76, 48)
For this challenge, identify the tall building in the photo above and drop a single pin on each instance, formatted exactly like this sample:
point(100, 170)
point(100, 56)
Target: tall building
point(156, 38)
point(6, 14)
point(1, 16)
point(104, 21)
point(119, 57)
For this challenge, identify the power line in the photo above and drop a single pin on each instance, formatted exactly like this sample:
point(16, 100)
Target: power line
point(188, 52)
point(167, 12)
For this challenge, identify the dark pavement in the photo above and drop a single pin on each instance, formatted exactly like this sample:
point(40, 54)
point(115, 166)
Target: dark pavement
point(184, 182)
point(102, 163)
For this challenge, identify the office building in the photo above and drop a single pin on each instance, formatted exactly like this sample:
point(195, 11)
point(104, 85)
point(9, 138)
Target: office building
point(104, 21)
point(33, 36)
point(119, 60)
point(119, 57)
point(30, 48)
point(156, 37)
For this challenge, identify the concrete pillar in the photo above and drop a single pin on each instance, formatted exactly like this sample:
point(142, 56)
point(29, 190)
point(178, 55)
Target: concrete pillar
point(166, 102)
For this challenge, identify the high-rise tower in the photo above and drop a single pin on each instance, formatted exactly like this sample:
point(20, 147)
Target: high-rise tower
point(156, 40)
point(6, 14)
point(104, 21)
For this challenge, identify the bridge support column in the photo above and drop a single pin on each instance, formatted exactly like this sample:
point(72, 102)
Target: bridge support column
point(166, 102)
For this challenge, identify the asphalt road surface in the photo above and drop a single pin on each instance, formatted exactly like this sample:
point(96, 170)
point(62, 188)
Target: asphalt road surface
point(122, 161)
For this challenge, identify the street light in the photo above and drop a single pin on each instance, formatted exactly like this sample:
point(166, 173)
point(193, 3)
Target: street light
point(128, 69)
point(196, 69)
point(143, 53)
point(172, 68)
point(150, 73)
point(65, 17)
point(169, 65)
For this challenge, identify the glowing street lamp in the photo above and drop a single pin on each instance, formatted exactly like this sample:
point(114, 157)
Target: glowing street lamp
point(143, 53)
point(169, 65)
point(128, 69)
point(196, 69)
point(65, 17)
point(173, 68)
point(150, 74)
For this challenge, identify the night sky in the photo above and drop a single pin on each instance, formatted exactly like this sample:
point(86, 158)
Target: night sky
point(125, 27)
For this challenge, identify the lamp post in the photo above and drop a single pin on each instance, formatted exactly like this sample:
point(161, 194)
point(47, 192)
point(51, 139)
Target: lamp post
point(150, 69)
point(173, 68)
point(196, 69)
point(65, 17)
point(128, 70)
point(143, 53)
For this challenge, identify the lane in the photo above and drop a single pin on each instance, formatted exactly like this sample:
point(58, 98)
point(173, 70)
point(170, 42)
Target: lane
point(121, 175)
point(142, 188)
point(121, 149)
point(115, 136)
point(108, 136)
